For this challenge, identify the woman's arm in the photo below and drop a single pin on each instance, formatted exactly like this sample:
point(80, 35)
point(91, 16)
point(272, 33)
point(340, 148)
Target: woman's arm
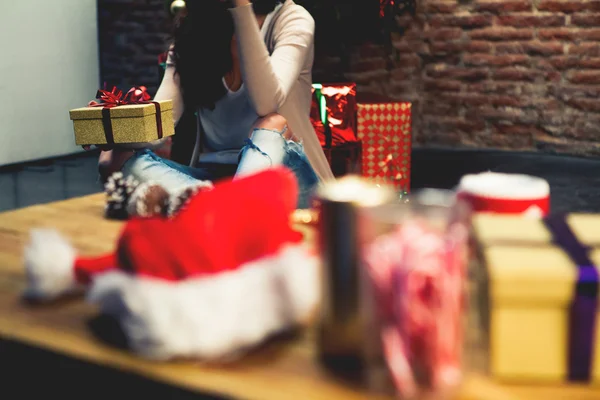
point(269, 79)
point(168, 90)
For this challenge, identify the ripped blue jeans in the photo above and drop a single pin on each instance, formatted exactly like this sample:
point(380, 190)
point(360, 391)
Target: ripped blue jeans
point(145, 166)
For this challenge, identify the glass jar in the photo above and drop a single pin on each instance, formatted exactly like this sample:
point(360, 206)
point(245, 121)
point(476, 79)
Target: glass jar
point(415, 261)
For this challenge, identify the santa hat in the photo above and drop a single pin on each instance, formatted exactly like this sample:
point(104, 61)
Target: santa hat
point(222, 275)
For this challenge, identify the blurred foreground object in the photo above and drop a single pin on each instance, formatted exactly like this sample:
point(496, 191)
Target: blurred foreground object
point(209, 283)
point(537, 285)
point(416, 262)
point(339, 207)
point(393, 280)
point(285, 366)
point(491, 192)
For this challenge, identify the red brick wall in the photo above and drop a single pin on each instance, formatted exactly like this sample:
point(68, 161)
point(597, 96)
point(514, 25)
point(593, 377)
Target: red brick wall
point(132, 33)
point(513, 74)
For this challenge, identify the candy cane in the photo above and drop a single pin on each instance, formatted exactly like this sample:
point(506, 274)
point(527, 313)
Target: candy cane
point(394, 350)
point(420, 271)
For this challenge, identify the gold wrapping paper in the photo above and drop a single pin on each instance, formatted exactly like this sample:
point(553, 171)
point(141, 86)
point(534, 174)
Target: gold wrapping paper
point(522, 289)
point(134, 123)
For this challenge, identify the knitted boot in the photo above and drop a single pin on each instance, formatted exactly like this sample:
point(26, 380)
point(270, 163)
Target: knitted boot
point(118, 192)
point(127, 198)
point(179, 200)
point(147, 200)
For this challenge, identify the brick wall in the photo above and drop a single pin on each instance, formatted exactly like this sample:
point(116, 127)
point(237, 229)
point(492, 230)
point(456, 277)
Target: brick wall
point(514, 74)
point(132, 33)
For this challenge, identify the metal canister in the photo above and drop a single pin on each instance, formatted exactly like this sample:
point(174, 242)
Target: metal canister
point(340, 229)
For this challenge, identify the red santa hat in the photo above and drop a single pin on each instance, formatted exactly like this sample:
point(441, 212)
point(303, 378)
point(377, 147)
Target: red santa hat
point(222, 275)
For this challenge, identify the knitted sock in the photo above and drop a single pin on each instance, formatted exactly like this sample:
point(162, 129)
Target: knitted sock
point(149, 199)
point(180, 199)
point(265, 149)
point(128, 198)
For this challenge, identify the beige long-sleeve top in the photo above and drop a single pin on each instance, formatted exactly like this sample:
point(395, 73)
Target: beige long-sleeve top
point(276, 67)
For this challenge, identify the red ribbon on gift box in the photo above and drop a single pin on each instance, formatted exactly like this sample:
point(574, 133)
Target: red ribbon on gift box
point(115, 98)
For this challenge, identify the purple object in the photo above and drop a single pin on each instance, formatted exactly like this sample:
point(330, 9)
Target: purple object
point(583, 315)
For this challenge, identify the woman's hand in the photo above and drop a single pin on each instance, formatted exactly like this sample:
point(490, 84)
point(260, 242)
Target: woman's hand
point(103, 147)
point(129, 146)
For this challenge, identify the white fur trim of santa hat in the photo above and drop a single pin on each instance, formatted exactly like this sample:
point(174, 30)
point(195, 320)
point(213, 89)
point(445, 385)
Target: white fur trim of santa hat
point(212, 317)
point(49, 261)
point(504, 186)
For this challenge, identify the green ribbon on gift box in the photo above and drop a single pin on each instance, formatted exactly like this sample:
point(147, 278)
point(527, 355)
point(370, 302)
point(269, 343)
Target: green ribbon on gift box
point(322, 101)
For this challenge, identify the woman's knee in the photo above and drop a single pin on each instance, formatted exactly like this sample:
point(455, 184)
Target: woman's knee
point(275, 122)
point(271, 121)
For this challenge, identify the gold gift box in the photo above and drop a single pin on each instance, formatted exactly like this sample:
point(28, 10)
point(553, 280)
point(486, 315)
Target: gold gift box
point(525, 288)
point(135, 123)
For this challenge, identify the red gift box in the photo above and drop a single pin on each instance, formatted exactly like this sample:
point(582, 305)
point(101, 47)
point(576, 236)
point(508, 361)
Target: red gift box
point(345, 158)
point(339, 102)
point(333, 115)
point(385, 130)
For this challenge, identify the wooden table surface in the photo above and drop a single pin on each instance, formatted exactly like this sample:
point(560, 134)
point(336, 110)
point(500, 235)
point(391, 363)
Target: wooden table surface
point(282, 369)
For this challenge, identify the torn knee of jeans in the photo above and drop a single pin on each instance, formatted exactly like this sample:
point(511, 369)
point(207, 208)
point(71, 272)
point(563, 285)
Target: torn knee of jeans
point(281, 132)
point(250, 145)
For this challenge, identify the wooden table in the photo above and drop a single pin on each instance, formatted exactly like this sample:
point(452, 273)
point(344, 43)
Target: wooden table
point(283, 369)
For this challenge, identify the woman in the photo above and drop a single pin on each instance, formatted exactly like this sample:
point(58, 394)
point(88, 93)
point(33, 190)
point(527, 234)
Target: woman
point(246, 68)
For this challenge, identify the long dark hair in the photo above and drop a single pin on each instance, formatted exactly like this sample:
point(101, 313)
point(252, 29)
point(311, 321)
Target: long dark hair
point(202, 49)
point(263, 7)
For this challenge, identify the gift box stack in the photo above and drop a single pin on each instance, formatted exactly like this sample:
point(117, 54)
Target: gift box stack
point(373, 140)
point(535, 291)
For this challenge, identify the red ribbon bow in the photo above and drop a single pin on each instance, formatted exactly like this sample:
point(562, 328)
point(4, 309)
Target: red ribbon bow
point(115, 97)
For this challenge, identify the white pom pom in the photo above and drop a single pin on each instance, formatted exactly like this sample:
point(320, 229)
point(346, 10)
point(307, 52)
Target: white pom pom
point(49, 265)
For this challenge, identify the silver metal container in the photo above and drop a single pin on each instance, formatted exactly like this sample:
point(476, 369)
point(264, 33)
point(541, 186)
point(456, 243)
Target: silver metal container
point(341, 232)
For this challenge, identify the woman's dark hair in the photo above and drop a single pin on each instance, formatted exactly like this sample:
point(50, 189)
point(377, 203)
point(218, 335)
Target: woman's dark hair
point(263, 7)
point(202, 52)
point(202, 49)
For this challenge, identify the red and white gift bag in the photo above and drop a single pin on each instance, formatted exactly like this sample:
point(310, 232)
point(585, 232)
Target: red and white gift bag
point(385, 130)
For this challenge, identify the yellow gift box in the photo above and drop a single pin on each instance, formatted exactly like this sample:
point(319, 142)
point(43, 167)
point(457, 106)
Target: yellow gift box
point(132, 123)
point(537, 296)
